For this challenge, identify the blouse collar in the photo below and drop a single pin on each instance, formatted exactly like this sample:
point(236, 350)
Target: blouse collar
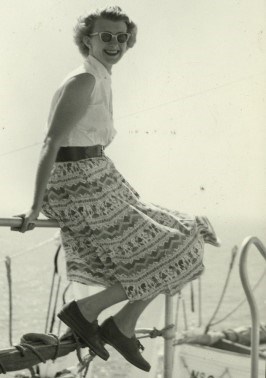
point(97, 65)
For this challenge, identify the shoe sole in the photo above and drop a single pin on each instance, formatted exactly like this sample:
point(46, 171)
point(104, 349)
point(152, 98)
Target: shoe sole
point(114, 346)
point(68, 320)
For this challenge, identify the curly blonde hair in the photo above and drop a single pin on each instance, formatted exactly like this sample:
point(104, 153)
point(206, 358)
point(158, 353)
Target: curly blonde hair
point(85, 25)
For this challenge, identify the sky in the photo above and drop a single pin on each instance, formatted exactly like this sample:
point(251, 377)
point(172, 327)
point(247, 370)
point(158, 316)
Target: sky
point(189, 100)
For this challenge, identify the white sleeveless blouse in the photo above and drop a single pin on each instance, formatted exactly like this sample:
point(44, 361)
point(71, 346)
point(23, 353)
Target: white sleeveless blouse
point(96, 126)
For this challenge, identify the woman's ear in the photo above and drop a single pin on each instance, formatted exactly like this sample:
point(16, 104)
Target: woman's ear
point(133, 38)
point(86, 40)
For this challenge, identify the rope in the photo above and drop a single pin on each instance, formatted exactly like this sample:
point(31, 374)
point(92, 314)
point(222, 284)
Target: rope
point(56, 259)
point(233, 256)
point(192, 95)
point(20, 149)
point(52, 289)
point(85, 365)
point(185, 364)
point(49, 303)
point(226, 372)
point(32, 372)
point(193, 374)
point(86, 369)
point(78, 348)
point(64, 302)
point(152, 333)
point(20, 349)
point(9, 280)
point(22, 346)
point(84, 362)
point(56, 347)
point(181, 298)
point(65, 291)
point(240, 303)
point(55, 305)
point(263, 328)
point(192, 300)
point(31, 248)
point(184, 313)
point(2, 368)
point(199, 302)
point(179, 295)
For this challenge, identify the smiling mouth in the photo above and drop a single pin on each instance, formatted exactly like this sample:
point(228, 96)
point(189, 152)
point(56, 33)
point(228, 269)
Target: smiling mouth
point(112, 52)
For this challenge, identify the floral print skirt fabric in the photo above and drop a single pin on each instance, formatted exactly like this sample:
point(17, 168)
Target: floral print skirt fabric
point(111, 236)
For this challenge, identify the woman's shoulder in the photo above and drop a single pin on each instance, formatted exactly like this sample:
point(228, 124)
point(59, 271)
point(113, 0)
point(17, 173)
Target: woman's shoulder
point(76, 84)
point(82, 83)
point(79, 74)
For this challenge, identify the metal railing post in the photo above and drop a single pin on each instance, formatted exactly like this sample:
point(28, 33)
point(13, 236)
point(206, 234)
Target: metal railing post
point(168, 340)
point(251, 300)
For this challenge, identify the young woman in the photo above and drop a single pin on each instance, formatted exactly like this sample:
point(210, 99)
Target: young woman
point(110, 236)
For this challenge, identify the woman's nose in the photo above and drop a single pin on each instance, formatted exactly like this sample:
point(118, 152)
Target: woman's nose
point(114, 41)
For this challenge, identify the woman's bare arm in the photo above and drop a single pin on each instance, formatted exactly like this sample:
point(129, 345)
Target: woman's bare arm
point(70, 108)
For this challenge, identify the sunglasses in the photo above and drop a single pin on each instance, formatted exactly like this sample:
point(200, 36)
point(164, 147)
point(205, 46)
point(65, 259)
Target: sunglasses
point(107, 37)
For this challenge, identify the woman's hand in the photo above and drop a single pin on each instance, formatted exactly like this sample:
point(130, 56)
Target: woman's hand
point(28, 221)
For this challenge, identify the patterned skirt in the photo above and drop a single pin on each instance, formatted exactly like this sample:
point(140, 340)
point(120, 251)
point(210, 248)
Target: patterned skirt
point(111, 236)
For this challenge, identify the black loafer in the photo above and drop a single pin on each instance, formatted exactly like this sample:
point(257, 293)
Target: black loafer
point(87, 331)
point(128, 347)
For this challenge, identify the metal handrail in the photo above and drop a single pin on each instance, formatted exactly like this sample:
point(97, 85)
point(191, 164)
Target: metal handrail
point(17, 222)
point(251, 240)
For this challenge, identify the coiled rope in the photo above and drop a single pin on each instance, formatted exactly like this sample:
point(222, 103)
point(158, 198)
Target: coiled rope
point(31, 341)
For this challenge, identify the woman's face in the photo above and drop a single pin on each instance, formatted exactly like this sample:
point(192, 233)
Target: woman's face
point(108, 53)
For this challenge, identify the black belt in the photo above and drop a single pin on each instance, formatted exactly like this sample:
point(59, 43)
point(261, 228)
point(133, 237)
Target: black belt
point(79, 153)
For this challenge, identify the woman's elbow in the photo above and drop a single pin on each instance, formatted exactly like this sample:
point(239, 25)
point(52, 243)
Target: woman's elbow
point(52, 144)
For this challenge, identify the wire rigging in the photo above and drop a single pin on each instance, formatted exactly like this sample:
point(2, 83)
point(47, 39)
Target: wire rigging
point(20, 149)
point(203, 92)
point(31, 249)
point(158, 106)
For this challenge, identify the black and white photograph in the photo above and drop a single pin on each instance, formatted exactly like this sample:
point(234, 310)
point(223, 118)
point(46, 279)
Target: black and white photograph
point(133, 203)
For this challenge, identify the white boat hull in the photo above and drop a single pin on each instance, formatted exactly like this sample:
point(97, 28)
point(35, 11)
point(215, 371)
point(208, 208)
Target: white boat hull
point(196, 361)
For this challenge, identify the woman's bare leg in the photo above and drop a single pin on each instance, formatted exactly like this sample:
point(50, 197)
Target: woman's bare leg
point(93, 305)
point(126, 319)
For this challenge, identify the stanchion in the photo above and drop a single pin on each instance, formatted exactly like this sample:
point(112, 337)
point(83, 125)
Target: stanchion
point(168, 340)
